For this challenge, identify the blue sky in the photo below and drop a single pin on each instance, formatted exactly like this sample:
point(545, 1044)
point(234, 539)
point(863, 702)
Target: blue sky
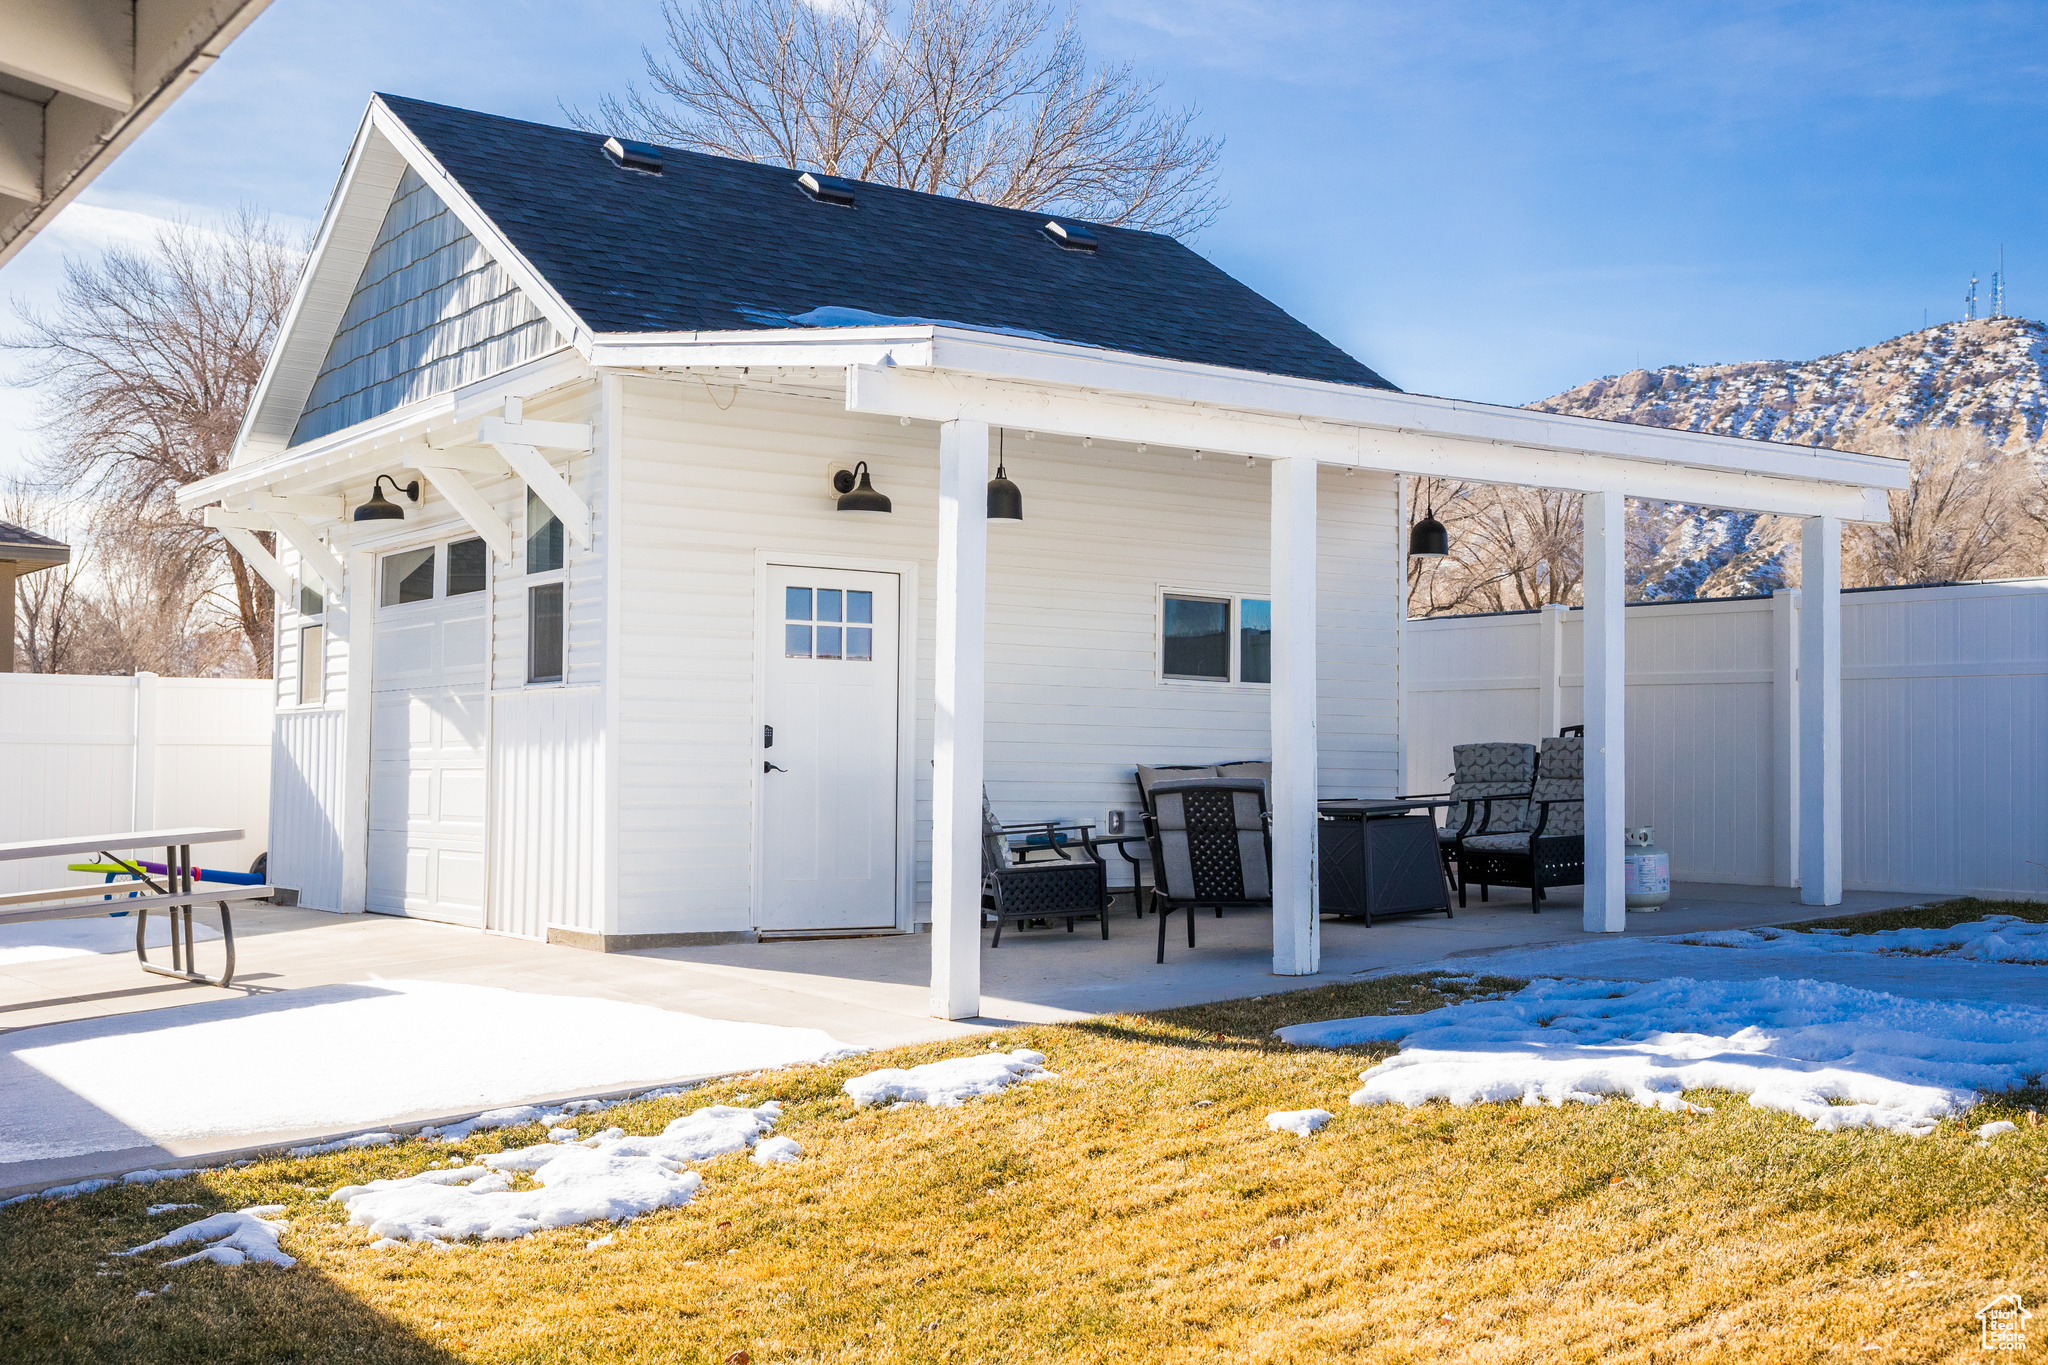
point(1487, 200)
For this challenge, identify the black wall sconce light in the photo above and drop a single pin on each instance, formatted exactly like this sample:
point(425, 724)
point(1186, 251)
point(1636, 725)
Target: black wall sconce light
point(856, 493)
point(379, 508)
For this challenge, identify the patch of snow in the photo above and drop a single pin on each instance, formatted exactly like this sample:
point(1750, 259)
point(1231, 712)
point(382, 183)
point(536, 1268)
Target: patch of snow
point(1837, 1056)
point(60, 1192)
point(951, 1082)
point(1998, 1129)
point(563, 1135)
point(154, 1209)
point(388, 1244)
point(151, 1177)
point(245, 1235)
point(602, 1180)
point(1300, 1122)
point(347, 1144)
point(604, 1241)
point(47, 940)
point(776, 1151)
point(835, 316)
point(76, 1088)
point(1995, 938)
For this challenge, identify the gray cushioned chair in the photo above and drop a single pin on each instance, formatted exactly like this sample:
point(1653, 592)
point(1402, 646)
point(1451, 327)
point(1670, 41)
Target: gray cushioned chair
point(1210, 847)
point(1064, 887)
point(1550, 848)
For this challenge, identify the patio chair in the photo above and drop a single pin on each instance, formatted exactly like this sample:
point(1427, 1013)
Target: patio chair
point(1148, 778)
point(1551, 851)
point(1210, 847)
point(1064, 887)
point(1489, 791)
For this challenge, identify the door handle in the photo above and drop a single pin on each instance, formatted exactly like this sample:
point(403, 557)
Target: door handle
point(768, 767)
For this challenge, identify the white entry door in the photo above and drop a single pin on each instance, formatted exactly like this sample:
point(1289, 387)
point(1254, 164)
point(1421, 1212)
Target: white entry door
point(829, 794)
point(427, 734)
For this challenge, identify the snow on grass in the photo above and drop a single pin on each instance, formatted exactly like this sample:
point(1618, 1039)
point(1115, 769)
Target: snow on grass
point(1300, 1122)
point(1999, 1129)
point(776, 1151)
point(233, 1238)
point(1995, 938)
point(155, 1209)
point(601, 1179)
point(347, 1144)
point(152, 1176)
point(951, 1082)
point(87, 1086)
point(1837, 1056)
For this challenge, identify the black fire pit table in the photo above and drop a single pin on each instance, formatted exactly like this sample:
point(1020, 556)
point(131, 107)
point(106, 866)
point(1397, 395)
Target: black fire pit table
point(1379, 860)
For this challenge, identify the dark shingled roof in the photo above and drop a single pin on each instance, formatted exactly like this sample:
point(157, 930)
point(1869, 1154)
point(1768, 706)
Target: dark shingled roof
point(718, 245)
point(23, 546)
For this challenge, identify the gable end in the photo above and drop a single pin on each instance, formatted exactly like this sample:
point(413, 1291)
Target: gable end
point(431, 312)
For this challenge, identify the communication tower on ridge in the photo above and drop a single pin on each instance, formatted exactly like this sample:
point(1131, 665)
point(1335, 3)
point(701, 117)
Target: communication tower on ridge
point(1970, 302)
point(1998, 287)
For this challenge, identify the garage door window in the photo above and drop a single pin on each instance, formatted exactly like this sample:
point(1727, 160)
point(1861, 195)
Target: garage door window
point(409, 577)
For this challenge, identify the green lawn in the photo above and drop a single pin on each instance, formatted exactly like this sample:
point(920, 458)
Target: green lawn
point(1135, 1209)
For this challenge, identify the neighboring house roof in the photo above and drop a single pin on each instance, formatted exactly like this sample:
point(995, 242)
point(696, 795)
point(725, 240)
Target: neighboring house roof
point(29, 551)
point(712, 244)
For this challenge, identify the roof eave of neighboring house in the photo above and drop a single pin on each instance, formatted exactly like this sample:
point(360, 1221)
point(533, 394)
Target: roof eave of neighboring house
point(30, 558)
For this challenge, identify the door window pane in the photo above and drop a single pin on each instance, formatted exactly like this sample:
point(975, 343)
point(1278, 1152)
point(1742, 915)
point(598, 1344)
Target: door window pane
point(860, 608)
point(860, 641)
point(1197, 639)
point(311, 603)
point(1255, 641)
point(465, 567)
point(312, 667)
point(544, 633)
point(796, 642)
point(796, 604)
point(828, 604)
point(543, 536)
point(409, 576)
point(828, 642)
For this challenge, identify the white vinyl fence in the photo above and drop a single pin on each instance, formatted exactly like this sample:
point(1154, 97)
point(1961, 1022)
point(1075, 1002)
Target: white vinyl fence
point(1944, 728)
point(94, 755)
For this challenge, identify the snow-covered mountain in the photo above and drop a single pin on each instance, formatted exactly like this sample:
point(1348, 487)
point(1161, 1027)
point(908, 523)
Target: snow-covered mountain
point(1991, 373)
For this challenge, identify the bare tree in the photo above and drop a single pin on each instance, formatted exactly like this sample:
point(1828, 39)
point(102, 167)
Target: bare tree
point(1973, 510)
point(983, 99)
point(49, 607)
point(148, 363)
point(1512, 549)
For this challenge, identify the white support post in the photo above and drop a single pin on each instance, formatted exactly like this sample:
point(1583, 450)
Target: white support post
point(1550, 669)
point(957, 728)
point(1785, 737)
point(1606, 668)
point(1297, 925)
point(143, 812)
point(1820, 712)
point(353, 620)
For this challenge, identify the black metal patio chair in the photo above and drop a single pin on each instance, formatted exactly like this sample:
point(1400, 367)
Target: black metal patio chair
point(1490, 785)
point(1211, 846)
point(1064, 887)
point(1551, 849)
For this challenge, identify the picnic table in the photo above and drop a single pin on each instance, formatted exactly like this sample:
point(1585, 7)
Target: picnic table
point(174, 890)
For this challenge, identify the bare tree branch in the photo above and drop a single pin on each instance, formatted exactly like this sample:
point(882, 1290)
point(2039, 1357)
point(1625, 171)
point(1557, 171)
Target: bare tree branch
point(148, 363)
point(981, 99)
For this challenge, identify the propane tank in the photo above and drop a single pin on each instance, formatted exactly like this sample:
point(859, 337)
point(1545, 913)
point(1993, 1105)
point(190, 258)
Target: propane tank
point(1646, 884)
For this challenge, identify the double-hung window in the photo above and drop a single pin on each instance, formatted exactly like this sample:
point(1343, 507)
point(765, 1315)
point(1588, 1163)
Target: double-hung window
point(546, 583)
point(1223, 639)
point(312, 636)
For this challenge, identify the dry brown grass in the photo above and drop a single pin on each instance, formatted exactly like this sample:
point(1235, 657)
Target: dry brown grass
point(1110, 1215)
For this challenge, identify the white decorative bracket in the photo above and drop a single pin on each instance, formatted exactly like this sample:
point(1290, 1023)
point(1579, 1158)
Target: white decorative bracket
point(464, 498)
point(519, 443)
point(239, 535)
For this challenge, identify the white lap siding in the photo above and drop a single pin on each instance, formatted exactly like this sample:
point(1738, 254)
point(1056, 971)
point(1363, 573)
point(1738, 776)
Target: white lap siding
point(1074, 699)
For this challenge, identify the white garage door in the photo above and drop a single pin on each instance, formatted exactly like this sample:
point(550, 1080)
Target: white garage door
point(427, 789)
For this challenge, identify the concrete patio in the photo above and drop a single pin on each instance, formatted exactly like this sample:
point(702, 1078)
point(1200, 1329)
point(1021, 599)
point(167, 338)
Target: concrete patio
point(866, 992)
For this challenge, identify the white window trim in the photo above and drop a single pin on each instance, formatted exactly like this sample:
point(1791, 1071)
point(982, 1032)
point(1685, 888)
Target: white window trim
point(1235, 682)
point(527, 583)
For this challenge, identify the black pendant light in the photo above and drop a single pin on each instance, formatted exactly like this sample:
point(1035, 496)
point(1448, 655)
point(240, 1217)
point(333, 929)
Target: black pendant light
point(1427, 539)
point(1005, 499)
point(856, 494)
point(379, 508)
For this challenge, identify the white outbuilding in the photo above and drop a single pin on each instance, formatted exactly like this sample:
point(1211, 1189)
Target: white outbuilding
point(616, 658)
